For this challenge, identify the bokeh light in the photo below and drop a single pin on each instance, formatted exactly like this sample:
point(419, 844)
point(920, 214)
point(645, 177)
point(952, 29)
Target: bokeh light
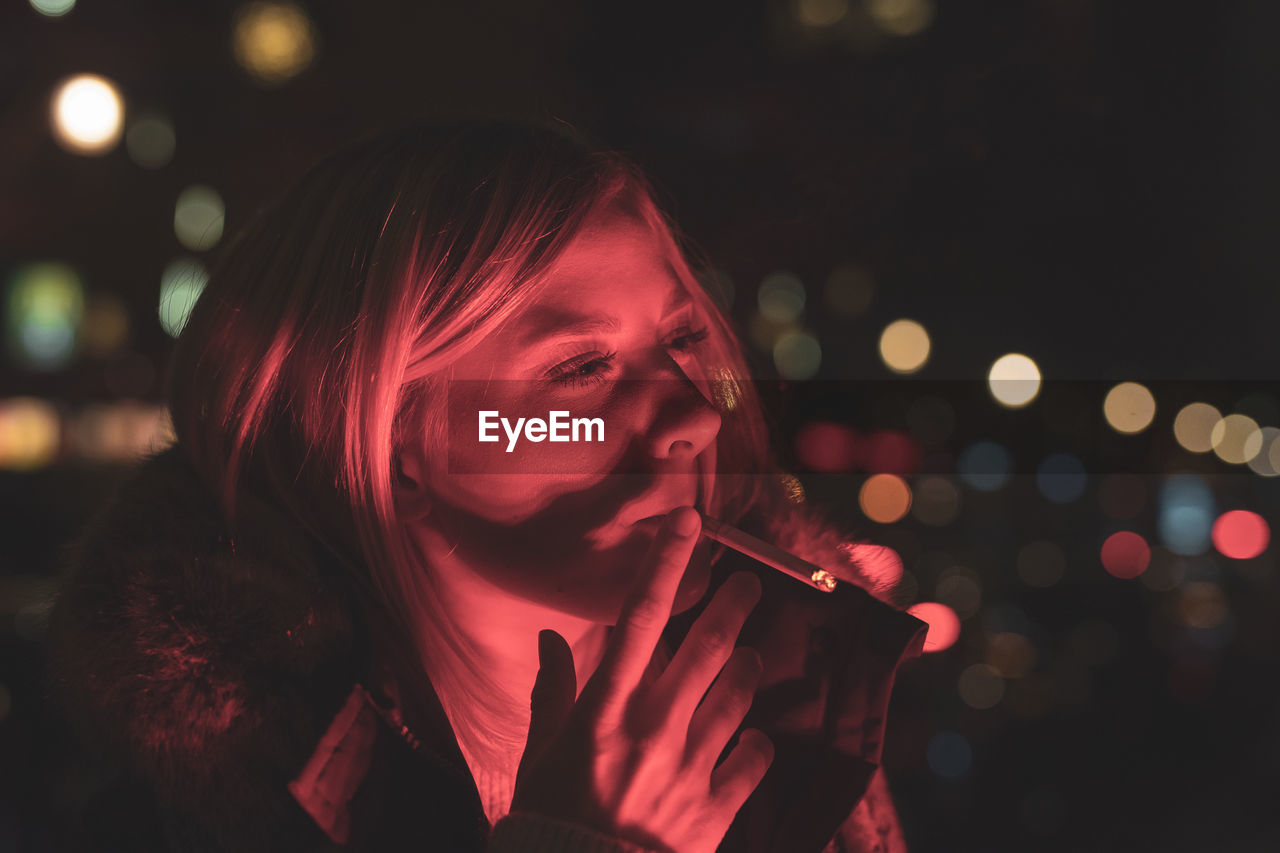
point(1041, 563)
point(150, 141)
point(1011, 654)
point(797, 355)
point(53, 8)
point(849, 290)
point(1266, 462)
point(181, 284)
point(45, 309)
point(1129, 408)
point(1125, 554)
point(826, 446)
point(888, 451)
point(87, 114)
point(944, 624)
point(1241, 534)
point(1186, 513)
point(936, 502)
point(105, 325)
point(985, 466)
point(949, 754)
point(1203, 604)
point(1060, 477)
point(781, 297)
point(30, 433)
point(273, 41)
point(1014, 380)
point(119, 432)
point(819, 13)
point(1122, 496)
point(1193, 427)
point(960, 589)
point(901, 17)
point(198, 217)
point(904, 346)
point(1236, 439)
point(884, 498)
point(980, 686)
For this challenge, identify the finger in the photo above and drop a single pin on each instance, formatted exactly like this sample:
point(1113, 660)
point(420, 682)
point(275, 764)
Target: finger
point(739, 774)
point(554, 692)
point(645, 612)
point(723, 710)
point(707, 646)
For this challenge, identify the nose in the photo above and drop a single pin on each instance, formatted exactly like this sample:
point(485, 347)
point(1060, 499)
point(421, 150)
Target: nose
point(684, 423)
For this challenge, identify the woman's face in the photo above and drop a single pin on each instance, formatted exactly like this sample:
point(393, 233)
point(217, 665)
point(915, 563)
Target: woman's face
point(562, 524)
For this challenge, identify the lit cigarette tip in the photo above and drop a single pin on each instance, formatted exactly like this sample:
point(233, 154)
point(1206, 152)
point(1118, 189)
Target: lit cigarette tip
point(771, 555)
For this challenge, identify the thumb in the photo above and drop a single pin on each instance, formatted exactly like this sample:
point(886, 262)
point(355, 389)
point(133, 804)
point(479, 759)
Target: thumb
point(554, 692)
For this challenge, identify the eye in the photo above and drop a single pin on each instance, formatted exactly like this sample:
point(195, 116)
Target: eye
point(686, 339)
point(583, 370)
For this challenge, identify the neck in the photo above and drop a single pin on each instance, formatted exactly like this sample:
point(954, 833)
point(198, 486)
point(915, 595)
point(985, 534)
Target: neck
point(501, 631)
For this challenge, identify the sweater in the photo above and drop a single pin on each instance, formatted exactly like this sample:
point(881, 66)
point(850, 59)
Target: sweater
point(255, 704)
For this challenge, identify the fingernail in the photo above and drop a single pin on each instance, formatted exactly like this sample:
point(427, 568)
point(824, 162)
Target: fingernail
point(684, 520)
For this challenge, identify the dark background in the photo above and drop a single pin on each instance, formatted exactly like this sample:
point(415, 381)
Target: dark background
point(1091, 183)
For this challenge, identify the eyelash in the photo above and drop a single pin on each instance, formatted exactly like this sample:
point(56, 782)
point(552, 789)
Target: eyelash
point(571, 372)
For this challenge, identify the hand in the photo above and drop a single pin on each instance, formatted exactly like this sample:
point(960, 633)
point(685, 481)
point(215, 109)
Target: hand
point(635, 757)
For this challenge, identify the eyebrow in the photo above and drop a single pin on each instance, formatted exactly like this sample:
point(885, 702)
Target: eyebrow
point(567, 324)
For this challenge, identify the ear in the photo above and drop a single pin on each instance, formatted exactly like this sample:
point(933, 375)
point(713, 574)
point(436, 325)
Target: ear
point(409, 485)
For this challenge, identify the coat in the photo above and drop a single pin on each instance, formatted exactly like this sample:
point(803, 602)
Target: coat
point(251, 701)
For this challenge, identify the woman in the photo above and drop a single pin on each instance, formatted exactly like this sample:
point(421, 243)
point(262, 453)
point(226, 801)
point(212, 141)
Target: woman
point(338, 614)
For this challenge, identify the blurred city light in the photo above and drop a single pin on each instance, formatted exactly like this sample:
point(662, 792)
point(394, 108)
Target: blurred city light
point(45, 309)
point(87, 114)
point(273, 41)
point(198, 217)
point(819, 13)
point(150, 141)
point(980, 686)
point(1041, 564)
point(1061, 478)
point(53, 8)
point(1125, 554)
point(985, 466)
point(936, 502)
point(904, 346)
point(1011, 654)
point(1266, 462)
point(1014, 380)
point(30, 433)
point(1203, 604)
point(105, 326)
point(885, 498)
point(1129, 408)
point(1193, 427)
point(1186, 511)
point(118, 432)
point(849, 290)
point(1236, 439)
point(949, 754)
point(781, 297)
point(181, 284)
point(828, 447)
point(901, 17)
point(1241, 534)
point(960, 589)
point(797, 355)
point(944, 625)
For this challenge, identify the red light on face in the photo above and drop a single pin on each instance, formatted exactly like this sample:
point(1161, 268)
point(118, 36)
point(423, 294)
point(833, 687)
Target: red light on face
point(1241, 534)
point(1125, 554)
point(944, 624)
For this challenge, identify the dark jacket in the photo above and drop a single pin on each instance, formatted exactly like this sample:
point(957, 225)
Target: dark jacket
point(212, 669)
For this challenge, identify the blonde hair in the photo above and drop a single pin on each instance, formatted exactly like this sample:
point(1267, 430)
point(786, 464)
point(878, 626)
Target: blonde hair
point(310, 353)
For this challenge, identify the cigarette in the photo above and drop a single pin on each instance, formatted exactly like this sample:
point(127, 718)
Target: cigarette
point(771, 555)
